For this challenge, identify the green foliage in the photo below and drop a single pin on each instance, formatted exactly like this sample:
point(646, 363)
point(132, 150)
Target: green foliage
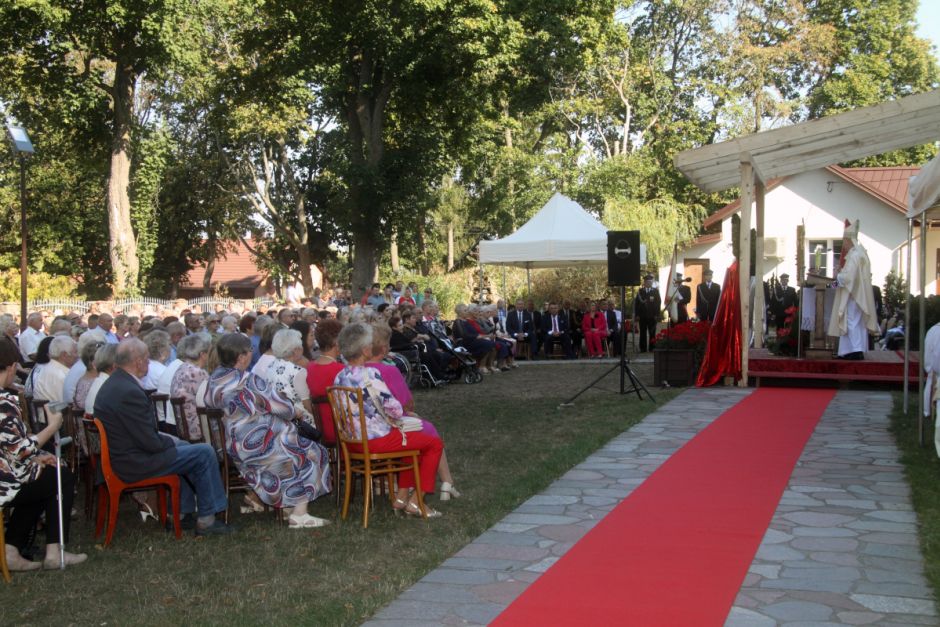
point(39, 286)
point(896, 292)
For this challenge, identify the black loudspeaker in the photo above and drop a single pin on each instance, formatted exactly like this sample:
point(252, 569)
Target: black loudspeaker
point(623, 258)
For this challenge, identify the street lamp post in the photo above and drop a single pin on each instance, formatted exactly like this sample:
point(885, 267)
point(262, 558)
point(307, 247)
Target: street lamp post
point(22, 147)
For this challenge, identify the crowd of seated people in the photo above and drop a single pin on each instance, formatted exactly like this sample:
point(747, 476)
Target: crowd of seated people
point(265, 367)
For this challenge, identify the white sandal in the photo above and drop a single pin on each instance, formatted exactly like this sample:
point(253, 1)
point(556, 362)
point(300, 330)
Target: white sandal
point(305, 521)
point(448, 490)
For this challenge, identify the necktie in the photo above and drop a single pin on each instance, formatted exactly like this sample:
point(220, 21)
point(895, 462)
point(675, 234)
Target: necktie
point(555, 324)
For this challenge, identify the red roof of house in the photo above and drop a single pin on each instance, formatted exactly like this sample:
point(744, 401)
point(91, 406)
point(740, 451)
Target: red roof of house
point(235, 268)
point(888, 184)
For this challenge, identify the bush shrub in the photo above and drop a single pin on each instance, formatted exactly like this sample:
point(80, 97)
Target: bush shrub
point(39, 286)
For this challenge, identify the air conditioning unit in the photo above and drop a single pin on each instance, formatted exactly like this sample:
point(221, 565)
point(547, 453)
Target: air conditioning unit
point(775, 248)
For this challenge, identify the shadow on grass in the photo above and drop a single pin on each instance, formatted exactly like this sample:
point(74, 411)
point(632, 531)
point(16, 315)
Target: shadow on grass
point(922, 469)
point(506, 439)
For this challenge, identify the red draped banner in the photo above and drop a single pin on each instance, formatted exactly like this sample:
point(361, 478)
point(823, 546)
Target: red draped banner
point(723, 352)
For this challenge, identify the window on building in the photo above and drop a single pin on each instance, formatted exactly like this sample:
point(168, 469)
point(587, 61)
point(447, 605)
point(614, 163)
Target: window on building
point(822, 255)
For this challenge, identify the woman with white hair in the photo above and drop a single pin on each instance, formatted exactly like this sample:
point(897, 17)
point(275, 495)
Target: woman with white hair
point(286, 374)
point(193, 351)
point(381, 409)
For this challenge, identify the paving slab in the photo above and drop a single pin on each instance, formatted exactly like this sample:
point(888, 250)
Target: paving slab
point(841, 548)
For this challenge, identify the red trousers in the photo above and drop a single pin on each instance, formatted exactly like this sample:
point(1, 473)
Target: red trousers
point(593, 341)
point(429, 455)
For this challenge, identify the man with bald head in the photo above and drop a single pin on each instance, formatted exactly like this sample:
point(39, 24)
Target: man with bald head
point(139, 451)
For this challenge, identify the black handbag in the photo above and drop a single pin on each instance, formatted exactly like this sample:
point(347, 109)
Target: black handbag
point(307, 430)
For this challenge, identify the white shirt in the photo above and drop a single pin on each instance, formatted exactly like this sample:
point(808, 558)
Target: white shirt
point(154, 372)
point(76, 372)
point(29, 341)
point(93, 392)
point(261, 366)
point(163, 387)
point(50, 382)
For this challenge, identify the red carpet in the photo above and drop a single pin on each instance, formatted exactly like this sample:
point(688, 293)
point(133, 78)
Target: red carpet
point(885, 366)
point(676, 551)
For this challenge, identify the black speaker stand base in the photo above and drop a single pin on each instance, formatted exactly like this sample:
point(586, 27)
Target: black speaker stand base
point(626, 372)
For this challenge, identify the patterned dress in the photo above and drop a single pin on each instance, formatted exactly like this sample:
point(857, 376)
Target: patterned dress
point(290, 383)
point(283, 468)
point(363, 377)
point(184, 384)
point(17, 449)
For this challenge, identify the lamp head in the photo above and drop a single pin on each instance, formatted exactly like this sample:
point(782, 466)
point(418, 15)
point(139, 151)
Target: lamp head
point(19, 139)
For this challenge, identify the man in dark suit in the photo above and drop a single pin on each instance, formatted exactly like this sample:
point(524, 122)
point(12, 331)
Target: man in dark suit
point(614, 325)
point(555, 329)
point(536, 316)
point(782, 297)
point(648, 308)
point(707, 295)
point(139, 451)
point(682, 296)
point(574, 325)
point(519, 326)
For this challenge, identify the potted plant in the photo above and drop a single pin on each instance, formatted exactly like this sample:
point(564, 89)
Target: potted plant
point(787, 340)
point(677, 353)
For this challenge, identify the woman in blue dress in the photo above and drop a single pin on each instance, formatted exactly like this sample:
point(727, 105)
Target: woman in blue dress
point(285, 469)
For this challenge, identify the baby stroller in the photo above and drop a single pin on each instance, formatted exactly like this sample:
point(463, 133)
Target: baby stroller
point(462, 361)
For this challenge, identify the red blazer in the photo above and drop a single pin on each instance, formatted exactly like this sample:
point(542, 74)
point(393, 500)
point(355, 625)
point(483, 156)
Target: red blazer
point(599, 323)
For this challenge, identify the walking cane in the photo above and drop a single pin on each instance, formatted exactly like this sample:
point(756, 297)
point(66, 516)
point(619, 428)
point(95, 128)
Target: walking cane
point(59, 442)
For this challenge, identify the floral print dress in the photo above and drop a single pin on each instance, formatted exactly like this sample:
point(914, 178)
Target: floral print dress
point(17, 449)
point(185, 383)
point(283, 468)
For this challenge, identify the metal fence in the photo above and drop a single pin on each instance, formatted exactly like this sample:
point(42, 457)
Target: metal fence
point(205, 303)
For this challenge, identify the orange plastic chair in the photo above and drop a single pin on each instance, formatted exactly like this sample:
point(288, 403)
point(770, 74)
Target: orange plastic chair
point(362, 462)
point(4, 570)
point(110, 492)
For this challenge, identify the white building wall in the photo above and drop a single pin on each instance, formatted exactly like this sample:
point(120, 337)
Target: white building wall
point(822, 201)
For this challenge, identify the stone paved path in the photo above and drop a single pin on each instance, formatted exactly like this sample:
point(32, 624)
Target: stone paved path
point(841, 548)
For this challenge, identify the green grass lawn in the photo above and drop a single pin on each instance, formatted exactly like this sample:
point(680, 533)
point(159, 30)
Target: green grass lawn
point(506, 439)
point(922, 468)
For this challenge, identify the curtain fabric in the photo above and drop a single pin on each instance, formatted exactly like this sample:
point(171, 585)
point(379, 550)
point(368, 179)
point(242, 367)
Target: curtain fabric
point(723, 351)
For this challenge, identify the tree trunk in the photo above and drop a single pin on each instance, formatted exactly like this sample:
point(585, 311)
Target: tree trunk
point(306, 276)
point(394, 252)
point(422, 248)
point(207, 279)
point(365, 263)
point(123, 246)
point(450, 247)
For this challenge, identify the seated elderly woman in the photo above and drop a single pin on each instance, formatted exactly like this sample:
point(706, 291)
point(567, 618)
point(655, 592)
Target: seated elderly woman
point(87, 355)
point(322, 371)
point(355, 343)
point(28, 477)
point(480, 345)
point(104, 366)
point(486, 318)
point(286, 375)
point(397, 385)
point(193, 350)
point(282, 467)
point(158, 346)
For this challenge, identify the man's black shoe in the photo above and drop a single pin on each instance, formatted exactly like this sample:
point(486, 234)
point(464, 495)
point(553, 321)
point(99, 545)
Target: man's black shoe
point(217, 528)
point(187, 522)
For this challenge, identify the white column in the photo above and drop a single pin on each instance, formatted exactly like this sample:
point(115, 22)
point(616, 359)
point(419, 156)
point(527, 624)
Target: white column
point(744, 262)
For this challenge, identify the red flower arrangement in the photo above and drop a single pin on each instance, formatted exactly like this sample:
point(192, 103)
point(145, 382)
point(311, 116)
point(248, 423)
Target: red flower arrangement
point(685, 335)
point(787, 340)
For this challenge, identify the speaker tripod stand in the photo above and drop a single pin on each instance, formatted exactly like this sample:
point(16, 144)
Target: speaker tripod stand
point(626, 372)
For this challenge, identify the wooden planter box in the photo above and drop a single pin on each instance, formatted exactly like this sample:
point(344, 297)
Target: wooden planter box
point(675, 366)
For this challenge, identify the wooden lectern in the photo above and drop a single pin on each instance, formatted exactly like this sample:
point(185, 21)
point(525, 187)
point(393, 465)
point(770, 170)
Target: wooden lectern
point(819, 346)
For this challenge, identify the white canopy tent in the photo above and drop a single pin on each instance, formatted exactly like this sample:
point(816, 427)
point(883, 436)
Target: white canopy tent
point(923, 206)
point(561, 234)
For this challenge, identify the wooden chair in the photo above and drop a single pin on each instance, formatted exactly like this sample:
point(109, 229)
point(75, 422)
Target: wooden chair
point(182, 425)
point(213, 430)
point(4, 569)
point(345, 402)
point(160, 404)
point(36, 414)
point(93, 443)
point(110, 492)
point(331, 447)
